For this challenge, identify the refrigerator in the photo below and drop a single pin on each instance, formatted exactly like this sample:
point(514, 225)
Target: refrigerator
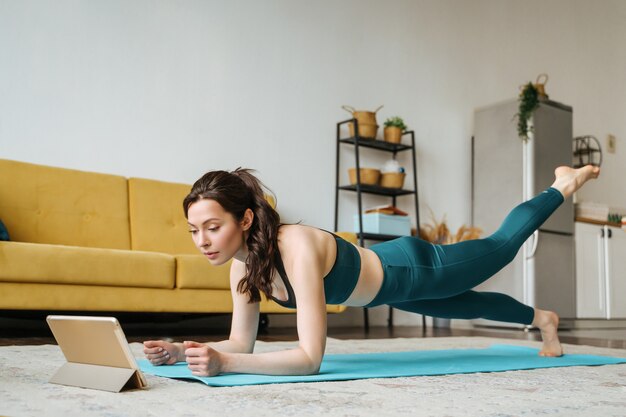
point(507, 170)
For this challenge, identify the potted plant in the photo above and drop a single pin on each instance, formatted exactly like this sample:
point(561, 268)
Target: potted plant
point(394, 127)
point(528, 103)
point(529, 98)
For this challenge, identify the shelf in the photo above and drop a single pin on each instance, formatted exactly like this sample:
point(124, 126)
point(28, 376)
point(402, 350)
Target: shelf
point(357, 142)
point(598, 222)
point(375, 189)
point(376, 144)
point(376, 236)
point(588, 151)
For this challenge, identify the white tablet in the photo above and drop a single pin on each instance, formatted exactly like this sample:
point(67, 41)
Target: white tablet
point(97, 354)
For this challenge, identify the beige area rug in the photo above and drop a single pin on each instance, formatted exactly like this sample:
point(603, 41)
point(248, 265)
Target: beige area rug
point(572, 391)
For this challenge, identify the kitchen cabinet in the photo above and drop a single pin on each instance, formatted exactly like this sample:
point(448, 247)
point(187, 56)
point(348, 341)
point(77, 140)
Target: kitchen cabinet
point(600, 271)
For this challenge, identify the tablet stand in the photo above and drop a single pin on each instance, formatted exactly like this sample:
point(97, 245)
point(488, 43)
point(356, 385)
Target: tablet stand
point(106, 378)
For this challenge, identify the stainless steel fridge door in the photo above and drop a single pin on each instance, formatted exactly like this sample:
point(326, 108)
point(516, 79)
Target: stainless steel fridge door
point(497, 184)
point(553, 268)
point(497, 166)
point(552, 147)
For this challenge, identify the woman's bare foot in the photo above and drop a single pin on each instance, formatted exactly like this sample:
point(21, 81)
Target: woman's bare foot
point(548, 323)
point(568, 180)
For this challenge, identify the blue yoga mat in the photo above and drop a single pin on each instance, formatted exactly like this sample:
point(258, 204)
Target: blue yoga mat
point(342, 367)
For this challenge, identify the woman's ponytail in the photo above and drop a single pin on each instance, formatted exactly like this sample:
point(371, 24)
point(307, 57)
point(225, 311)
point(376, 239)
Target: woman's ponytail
point(262, 240)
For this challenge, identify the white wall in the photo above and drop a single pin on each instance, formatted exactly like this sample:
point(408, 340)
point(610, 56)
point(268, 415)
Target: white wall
point(170, 89)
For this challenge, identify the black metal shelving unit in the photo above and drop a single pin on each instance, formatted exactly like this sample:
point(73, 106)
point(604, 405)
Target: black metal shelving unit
point(360, 142)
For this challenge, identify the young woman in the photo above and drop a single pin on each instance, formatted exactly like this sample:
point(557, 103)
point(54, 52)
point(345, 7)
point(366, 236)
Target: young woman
point(229, 218)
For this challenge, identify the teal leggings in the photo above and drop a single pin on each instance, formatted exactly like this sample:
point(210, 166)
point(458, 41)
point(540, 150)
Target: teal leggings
point(436, 280)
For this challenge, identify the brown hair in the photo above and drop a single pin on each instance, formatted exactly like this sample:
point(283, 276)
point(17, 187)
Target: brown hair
point(237, 191)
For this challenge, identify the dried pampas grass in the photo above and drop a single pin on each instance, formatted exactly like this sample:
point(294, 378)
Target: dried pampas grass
point(438, 232)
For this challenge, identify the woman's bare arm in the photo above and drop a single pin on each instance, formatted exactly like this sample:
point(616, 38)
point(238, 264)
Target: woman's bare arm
point(304, 269)
point(244, 327)
point(245, 320)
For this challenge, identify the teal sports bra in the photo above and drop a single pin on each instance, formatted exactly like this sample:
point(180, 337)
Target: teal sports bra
point(340, 281)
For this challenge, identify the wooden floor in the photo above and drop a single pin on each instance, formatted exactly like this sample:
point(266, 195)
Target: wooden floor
point(35, 332)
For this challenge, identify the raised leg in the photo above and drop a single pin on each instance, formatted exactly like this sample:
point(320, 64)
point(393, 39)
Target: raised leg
point(419, 270)
point(416, 269)
point(568, 180)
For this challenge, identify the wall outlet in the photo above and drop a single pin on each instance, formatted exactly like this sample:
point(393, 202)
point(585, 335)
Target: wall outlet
point(610, 143)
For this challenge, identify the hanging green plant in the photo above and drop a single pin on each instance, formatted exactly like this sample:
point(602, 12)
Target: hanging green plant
point(528, 103)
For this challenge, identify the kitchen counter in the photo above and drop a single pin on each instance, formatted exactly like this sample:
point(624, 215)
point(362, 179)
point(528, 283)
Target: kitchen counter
point(599, 222)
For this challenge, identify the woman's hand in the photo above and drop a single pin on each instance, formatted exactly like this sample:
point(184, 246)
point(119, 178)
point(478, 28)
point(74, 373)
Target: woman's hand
point(202, 360)
point(159, 352)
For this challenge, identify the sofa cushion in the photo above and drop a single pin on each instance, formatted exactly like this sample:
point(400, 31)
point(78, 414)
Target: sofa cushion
point(348, 236)
point(157, 220)
point(4, 233)
point(58, 264)
point(63, 297)
point(195, 271)
point(42, 204)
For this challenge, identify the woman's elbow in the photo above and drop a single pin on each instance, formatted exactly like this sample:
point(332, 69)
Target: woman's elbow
point(313, 366)
point(314, 369)
point(242, 346)
point(311, 360)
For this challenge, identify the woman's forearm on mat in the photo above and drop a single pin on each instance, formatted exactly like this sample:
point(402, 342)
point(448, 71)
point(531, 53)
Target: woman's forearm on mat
point(224, 346)
point(285, 362)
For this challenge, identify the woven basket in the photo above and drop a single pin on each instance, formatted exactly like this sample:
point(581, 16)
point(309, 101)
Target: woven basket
point(369, 176)
point(392, 179)
point(366, 131)
point(368, 128)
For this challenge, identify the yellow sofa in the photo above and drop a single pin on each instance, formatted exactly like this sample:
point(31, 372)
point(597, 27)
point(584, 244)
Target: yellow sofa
point(85, 241)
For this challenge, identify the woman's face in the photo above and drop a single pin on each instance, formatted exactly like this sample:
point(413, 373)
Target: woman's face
point(216, 232)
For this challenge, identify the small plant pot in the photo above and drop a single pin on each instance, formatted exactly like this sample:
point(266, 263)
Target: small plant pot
point(393, 134)
point(369, 176)
point(392, 179)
